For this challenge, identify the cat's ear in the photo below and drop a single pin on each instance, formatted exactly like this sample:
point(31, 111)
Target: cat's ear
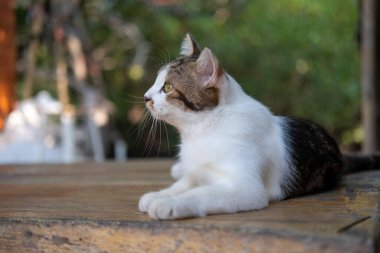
point(189, 46)
point(208, 68)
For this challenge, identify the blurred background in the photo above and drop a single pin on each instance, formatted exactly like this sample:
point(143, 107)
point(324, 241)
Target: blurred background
point(82, 66)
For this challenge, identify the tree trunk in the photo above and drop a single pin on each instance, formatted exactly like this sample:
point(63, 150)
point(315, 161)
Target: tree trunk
point(7, 59)
point(370, 53)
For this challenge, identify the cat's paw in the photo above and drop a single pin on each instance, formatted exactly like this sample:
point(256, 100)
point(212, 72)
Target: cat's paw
point(162, 209)
point(146, 200)
point(177, 171)
point(168, 208)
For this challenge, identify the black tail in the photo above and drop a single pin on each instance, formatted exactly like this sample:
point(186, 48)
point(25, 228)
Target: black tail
point(358, 162)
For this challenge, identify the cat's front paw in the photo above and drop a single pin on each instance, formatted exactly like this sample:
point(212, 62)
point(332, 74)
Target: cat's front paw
point(168, 208)
point(146, 200)
point(162, 209)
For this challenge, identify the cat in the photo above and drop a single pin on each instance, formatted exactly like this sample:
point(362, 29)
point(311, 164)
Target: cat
point(235, 155)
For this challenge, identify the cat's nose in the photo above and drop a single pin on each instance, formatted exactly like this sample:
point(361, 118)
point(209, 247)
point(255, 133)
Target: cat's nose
point(147, 99)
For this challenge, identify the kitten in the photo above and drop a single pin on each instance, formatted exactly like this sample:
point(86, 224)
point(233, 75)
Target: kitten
point(235, 155)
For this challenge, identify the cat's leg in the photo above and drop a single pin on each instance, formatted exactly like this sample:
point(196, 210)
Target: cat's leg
point(176, 188)
point(177, 171)
point(210, 199)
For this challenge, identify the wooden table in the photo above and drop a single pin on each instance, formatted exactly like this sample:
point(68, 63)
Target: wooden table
point(93, 208)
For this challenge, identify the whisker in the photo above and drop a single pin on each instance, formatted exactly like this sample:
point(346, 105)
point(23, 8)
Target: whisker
point(142, 126)
point(167, 138)
point(153, 136)
point(159, 144)
point(134, 102)
point(132, 96)
point(158, 61)
point(149, 138)
point(137, 127)
point(167, 54)
point(157, 58)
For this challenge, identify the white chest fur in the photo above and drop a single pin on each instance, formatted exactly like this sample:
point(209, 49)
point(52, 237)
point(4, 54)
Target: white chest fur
point(232, 154)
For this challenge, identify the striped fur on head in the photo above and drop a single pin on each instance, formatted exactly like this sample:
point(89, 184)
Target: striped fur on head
point(190, 91)
point(195, 79)
point(194, 75)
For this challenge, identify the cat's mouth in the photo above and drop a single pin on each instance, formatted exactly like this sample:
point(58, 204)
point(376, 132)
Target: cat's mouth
point(156, 114)
point(150, 106)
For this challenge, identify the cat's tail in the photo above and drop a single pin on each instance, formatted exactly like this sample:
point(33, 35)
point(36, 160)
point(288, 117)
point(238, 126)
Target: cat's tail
point(358, 162)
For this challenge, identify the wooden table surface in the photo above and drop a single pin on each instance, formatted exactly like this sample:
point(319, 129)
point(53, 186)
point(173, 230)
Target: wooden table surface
point(93, 208)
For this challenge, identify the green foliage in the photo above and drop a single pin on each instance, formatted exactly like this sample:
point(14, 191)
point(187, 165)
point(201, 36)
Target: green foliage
point(299, 57)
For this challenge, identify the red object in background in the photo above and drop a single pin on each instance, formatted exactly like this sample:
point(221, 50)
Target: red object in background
point(7, 59)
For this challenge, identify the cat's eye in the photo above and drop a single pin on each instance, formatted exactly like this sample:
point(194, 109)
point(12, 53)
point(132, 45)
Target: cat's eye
point(167, 87)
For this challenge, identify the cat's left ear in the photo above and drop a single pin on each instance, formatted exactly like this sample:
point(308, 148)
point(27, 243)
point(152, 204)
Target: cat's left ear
point(208, 68)
point(189, 46)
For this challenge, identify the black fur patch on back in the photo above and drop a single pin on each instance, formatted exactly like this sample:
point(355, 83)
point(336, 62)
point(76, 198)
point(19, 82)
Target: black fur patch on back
point(314, 156)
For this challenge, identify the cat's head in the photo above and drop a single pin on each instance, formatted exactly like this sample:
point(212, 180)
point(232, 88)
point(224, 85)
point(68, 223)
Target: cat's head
point(187, 85)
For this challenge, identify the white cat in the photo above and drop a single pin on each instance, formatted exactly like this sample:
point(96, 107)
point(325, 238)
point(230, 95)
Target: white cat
point(235, 155)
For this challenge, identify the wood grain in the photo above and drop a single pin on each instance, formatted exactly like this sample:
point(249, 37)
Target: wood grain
point(93, 208)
